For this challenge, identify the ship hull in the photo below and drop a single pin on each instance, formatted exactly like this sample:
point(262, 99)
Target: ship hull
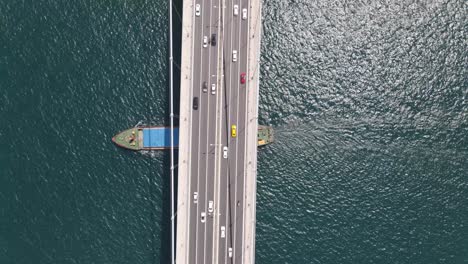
point(158, 138)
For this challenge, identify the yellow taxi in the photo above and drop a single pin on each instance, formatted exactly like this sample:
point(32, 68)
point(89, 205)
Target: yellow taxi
point(233, 131)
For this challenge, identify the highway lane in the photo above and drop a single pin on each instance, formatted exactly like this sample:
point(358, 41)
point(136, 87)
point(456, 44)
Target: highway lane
point(212, 143)
point(236, 38)
point(237, 117)
point(204, 130)
point(242, 135)
point(203, 133)
point(195, 136)
point(236, 100)
point(205, 124)
point(200, 131)
point(232, 69)
point(225, 201)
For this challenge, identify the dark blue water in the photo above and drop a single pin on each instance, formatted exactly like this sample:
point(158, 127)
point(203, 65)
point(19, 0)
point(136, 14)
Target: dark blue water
point(369, 101)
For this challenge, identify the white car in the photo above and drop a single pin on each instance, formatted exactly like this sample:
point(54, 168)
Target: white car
point(236, 10)
point(244, 13)
point(234, 55)
point(203, 216)
point(225, 152)
point(213, 88)
point(223, 232)
point(197, 9)
point(230, 252)
point(195, 197)
point(210, 207)
point(205, 41)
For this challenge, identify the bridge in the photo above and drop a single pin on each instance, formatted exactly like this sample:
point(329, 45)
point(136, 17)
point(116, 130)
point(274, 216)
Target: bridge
point(218, 122)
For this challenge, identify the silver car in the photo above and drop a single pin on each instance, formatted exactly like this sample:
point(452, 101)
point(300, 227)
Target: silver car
point(210, 207)
point(234, 55)
point(213, 88)
point(223, 231)
point(205, 41)
point(205, 87)
point(195, 197)
point(225, 152)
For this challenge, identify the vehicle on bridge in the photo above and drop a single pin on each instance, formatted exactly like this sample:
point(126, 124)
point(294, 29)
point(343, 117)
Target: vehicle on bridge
point(213, 88)
point(213, 39)
point(225, 152)
point(210, 207)
point(242, 78)
point(195, 103)
point(233, 131)
point(223, 231)
point(197, 9)
point(205, 87)
point(203, 217)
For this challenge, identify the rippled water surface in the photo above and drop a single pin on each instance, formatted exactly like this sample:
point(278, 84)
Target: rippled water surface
point(369, 100)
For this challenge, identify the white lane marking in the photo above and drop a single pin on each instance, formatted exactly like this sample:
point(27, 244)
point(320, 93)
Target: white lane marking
point(228, 131)
point(207, 146)
point(218, 161)
point(232, 107)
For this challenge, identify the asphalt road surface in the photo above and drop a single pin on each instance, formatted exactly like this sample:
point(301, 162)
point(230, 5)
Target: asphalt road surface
point(213, 177)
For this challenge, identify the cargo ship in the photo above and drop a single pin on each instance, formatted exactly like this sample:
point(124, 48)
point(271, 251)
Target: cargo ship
point(159, 138)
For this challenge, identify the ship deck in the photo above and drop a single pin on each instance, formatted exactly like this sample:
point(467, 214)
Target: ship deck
point(159, 137)
point(124, 139)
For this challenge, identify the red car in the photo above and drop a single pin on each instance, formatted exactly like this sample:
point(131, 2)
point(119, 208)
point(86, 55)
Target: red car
point(242, 78)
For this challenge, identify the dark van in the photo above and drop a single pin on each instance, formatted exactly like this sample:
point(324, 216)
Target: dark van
point(213, 39)
point(195, 103)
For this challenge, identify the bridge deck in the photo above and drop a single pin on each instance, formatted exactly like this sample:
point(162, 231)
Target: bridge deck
point(229, 183)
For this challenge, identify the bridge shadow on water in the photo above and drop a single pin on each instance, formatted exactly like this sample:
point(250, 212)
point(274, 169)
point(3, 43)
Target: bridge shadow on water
point(165, 224)
point(164, 236)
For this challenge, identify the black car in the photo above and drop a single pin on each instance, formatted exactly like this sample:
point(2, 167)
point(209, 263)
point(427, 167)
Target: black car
point(213, 39)
point(195, 103)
